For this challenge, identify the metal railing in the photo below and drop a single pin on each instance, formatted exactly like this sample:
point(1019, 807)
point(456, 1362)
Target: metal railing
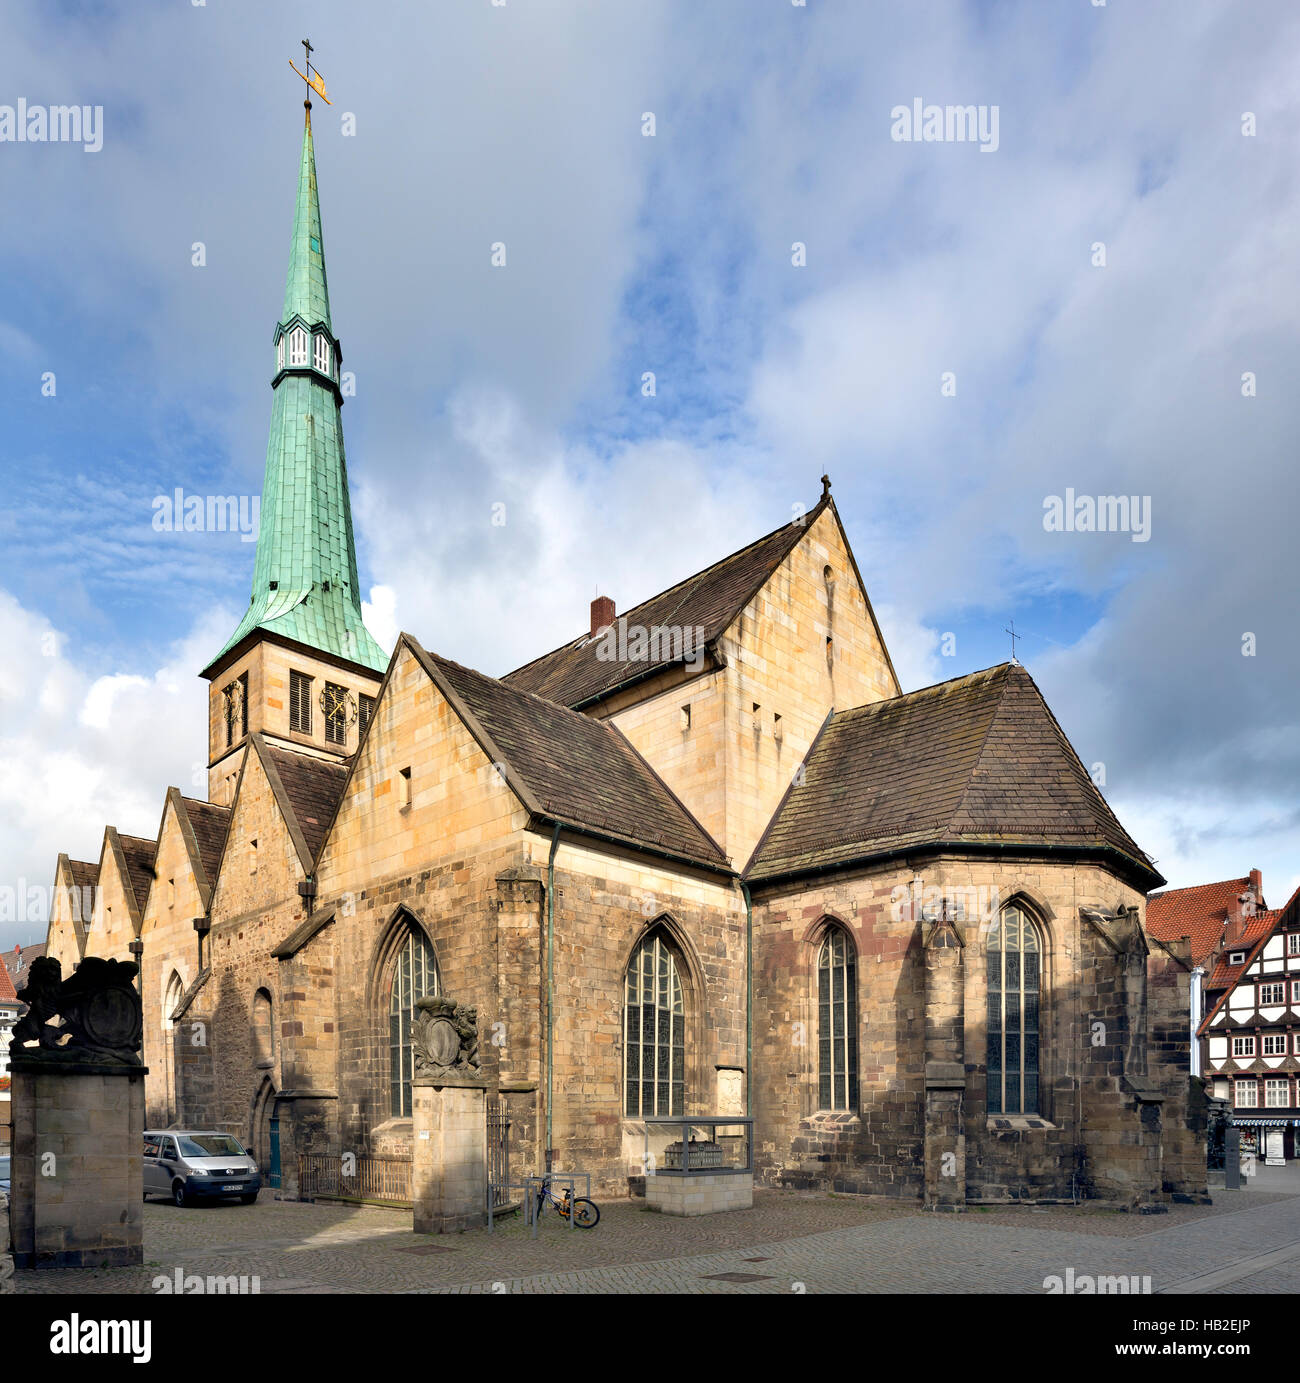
point(322, 1176)
point(498, 1156)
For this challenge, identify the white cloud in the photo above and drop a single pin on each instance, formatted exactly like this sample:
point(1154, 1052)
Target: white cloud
point(80, 752)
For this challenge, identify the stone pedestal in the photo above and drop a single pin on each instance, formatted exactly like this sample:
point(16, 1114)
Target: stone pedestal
point(77, 1195)
point(705, 1193)
point(448, 1155)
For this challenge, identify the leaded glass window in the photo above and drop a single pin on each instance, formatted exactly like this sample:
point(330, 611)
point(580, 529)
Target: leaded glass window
point(837, 1023)
point(1014, 963)
point(654, 1032)
point(415, 974)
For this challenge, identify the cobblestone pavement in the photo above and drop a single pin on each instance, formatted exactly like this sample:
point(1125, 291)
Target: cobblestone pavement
point(788, 1242)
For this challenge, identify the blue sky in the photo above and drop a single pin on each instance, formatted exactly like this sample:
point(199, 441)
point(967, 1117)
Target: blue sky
point(522, 123)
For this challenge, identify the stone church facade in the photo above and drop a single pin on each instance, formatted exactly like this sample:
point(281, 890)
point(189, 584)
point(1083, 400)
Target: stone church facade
point(707, 858)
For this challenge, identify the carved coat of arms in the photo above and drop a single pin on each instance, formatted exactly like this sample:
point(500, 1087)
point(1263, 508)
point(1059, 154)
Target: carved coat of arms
point(444, 1038)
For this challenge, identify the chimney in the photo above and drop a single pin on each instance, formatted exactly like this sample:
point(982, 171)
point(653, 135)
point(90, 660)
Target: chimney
point(1257, 886)
point(602, 614)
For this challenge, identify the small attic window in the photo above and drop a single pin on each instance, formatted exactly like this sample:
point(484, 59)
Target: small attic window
point(1236, 957)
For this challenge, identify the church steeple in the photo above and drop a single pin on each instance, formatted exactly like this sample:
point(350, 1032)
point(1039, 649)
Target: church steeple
point(305, 586)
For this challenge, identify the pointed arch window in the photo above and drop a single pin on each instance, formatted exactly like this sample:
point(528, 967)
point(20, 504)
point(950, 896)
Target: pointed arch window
point(837, 1023)
point(298, 346)
point(1014, 976)
point(175, 992)
point(415, 975)
point(654, 1031)
point(324, 356)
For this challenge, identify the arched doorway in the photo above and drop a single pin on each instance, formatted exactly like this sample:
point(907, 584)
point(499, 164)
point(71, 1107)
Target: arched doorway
point(264, 1133)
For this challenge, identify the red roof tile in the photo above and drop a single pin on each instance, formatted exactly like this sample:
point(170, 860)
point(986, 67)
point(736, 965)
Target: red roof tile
point(1197, 913)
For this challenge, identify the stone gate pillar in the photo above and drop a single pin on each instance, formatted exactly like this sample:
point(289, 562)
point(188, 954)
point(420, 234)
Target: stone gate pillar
point(449, 1118)
point(945, 1070)
point(77, 1096)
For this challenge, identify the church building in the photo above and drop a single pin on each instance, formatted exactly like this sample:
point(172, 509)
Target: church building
point(707, 858)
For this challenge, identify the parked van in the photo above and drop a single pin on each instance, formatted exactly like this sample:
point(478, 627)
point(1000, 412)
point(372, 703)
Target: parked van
point(192, 1165)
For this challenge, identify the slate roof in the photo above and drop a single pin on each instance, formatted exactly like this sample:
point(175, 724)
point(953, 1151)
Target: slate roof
point(570, 767)
point(1197, 913)
point(976, 761)
point(313, 787)
point(711, 599)
point(209, 824)
point(139, 865)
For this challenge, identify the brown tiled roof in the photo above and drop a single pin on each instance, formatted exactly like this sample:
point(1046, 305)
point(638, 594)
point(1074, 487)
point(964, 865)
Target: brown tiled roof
point(314, 787)
point(711, 600)
point(7, 994)
point(84, 874)
point(1197, 913)
point(977, 761)
point(18, 962)
point(209, 823)
point(569, 767)
point(139, 865)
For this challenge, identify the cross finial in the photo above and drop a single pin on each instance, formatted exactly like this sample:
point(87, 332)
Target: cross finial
point(312, 78)
point(826, 487)
point(1014, 637)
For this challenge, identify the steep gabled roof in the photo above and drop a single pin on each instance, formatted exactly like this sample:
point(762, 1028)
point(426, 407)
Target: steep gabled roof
point(7, 993)
point(570, 768)
point(1197, 913)
point(209, 823)
point(977, 762)
point(308, 791)
point(711, 599)
point(139, 854)
point(1259, 929)
point(84, 874)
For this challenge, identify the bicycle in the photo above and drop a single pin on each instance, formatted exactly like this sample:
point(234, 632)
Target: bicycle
point(586, 1213)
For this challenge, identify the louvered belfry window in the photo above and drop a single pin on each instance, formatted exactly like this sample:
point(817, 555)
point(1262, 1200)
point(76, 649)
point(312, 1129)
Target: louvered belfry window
point(300, 702)
point(1014, 960)
point(415, 975)
point(837, 1023)
point(365, 709)
point(654, 1032)
point(298, 340)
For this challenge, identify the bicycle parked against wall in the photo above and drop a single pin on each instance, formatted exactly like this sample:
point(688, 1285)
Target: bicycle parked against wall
point(586, 1213)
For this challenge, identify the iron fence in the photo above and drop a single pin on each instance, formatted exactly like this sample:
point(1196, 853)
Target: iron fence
point(498, 1153)
point(332, 1176)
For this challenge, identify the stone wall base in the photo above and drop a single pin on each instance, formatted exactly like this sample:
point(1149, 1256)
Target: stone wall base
point(699, 1195)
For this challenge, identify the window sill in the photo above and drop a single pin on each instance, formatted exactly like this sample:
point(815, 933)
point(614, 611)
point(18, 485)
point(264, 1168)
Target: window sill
point(1019, 1123)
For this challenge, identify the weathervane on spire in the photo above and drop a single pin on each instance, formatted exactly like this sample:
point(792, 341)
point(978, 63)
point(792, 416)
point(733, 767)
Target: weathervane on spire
point(314, 80)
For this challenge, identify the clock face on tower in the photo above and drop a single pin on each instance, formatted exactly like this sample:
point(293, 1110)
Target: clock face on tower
point(339, 708)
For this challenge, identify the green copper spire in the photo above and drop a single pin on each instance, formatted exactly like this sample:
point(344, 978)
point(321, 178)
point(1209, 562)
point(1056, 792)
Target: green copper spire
point(305, 583)
point(306, 290)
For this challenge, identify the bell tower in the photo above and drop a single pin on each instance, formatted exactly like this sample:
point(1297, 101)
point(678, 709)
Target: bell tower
point(301, 667)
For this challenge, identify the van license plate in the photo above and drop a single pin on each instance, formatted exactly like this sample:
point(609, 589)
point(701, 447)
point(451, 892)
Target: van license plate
point(231, 1188)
